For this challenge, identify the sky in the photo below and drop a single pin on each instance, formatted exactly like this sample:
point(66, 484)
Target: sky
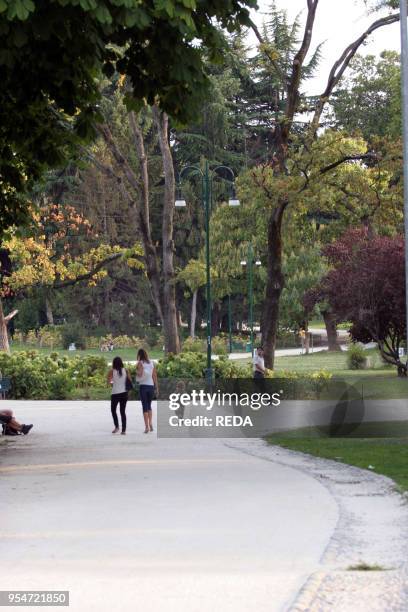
point(338, 22)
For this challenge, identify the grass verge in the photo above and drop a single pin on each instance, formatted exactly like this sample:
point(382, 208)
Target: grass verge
point(379, 447)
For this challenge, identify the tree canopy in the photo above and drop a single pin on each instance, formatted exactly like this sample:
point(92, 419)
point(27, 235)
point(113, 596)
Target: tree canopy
point(366, 286)
point(52, 53)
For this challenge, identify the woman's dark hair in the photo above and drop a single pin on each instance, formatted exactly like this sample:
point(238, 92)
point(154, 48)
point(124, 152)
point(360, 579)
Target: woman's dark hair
point(143, 356)
point(117, 364)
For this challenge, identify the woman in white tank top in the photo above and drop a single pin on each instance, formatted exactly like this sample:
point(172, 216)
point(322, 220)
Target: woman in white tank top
point(146, 376)
point(117, 377)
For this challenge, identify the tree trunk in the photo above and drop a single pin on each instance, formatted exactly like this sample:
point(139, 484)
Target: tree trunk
point(274, 286)
point(307, 338)
point(171, 332)
point(331, 329)
point(179, 319)
point(402, 371)
point(4, 341)
point(143, 218)
point(225, 323)
point(215, 319)
point(193, 314)
point(141, 208)
point(4, 321)
point(48, 311)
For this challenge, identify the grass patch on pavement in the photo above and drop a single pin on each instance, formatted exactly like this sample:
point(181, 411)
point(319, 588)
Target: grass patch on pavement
point(379, 447)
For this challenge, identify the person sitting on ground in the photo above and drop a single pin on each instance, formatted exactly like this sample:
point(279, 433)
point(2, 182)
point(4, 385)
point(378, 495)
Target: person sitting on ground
point(13, 427)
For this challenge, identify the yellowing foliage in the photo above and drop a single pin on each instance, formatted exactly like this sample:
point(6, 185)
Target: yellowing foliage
point(44, 259)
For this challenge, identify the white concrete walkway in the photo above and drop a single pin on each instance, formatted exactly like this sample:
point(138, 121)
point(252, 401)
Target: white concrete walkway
point(129, 523)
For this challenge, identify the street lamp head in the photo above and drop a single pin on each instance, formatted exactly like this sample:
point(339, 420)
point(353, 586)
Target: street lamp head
point(180, 203)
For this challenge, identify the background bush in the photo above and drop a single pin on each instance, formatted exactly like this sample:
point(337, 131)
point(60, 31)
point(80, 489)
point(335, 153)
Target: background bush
point(73, 333)
point(35, 376)
point(60, 386)
point(356, 357)
point(193, 365)
point(29, 374)
point(61, 336)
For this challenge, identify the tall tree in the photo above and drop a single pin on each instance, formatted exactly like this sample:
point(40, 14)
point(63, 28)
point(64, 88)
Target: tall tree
point(279, 166)
point(366, 286)
point(133, 140)
point(194, 276)
point(369, 99)
point(42, 260)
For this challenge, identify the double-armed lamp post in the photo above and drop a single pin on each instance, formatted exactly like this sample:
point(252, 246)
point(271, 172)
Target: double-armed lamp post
point(404, 81)
point(207, 177)
point(249, 263)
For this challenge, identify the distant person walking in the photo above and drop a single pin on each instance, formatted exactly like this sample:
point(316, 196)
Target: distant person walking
point(259, 363)
point(117, 377)
point(146, 375)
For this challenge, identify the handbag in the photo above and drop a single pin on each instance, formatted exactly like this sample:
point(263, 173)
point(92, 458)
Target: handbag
point(129, 384)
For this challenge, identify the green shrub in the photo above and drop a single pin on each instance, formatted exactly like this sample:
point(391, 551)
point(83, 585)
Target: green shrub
point(88, 371)
point(193, 365)
point(356, 357)
point(227, 368)
point(73, 333)
point(198, 345)
point(35, 376)
point(302, 385)
point(194, 345)
point(27, 373)
point(219, 345)
point(153, 337)
point(50, 336)
point(31, 337)
point(93, 342)
point(287, 339)
point(60, 385)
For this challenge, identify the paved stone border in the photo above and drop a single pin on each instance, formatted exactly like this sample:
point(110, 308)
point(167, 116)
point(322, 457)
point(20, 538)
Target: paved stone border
point(372, 529)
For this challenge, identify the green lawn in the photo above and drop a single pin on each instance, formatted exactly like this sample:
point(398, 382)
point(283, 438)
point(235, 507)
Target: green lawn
point(383, 446)
point(378, 382)
point(126, 354)
point(335, 362)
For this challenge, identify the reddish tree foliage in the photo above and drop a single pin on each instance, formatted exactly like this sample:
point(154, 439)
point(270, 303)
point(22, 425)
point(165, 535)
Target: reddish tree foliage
point(366, 286)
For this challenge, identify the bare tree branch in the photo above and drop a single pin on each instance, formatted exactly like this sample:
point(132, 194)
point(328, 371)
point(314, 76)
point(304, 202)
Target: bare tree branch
point(10, 316)
point(144, 209)
point(120, 159)
point(298, 61)
point(343, 62)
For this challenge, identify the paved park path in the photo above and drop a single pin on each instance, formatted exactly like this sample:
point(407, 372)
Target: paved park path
point(139, 523)
point(129, 523)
